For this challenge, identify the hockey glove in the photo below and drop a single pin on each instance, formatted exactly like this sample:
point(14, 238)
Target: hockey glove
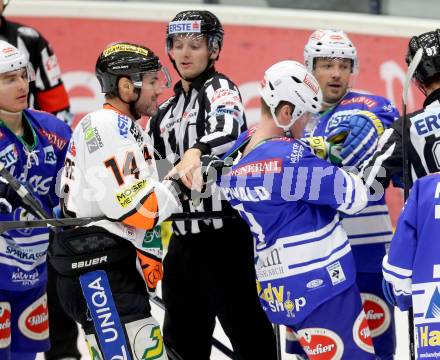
point(359, 135)
point(324, 149)
point(9, 199)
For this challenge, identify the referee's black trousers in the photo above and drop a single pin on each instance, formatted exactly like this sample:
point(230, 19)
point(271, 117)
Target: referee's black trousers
point(212, 274)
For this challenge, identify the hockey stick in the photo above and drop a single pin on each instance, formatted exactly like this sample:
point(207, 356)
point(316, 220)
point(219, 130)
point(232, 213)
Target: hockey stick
point(27, 197)
point(407, 168)
point(276, 329)
point(10, 225)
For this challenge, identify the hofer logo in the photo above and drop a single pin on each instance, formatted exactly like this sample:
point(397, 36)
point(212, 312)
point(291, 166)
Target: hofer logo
point(321, 344)
point(34, 320)
point(362, 334)
point(377, 313)
point(5, 324)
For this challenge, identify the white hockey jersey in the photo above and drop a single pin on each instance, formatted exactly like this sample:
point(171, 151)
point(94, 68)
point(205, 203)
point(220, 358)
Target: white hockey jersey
point(412, 265)
point(109, 171)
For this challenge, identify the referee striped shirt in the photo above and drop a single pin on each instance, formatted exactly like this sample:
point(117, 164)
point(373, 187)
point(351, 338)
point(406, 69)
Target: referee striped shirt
point(209, 117)
point(423, 147)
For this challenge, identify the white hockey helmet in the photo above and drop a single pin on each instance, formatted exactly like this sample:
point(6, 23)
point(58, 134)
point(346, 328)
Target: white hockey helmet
point(330, 44)
point(291, 82)
point(12, 59)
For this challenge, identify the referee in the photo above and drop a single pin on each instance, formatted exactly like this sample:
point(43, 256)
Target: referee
point(424, 125)
point(208, 270)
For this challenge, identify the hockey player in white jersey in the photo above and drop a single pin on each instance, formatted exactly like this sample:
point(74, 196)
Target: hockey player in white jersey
point(290, 199)
point(108, 171)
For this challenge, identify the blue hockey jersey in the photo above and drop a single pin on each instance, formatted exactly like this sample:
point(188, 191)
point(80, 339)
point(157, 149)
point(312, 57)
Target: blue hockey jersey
point(290, 198)
point(412, 265)
point(370, 230)
point(23, 251)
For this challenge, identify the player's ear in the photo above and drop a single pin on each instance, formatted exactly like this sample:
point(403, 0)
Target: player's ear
point(214, 54)
point(125, 87)
point(285, 113)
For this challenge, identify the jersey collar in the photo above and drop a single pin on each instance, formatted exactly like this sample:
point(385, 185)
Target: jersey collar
point(434, 96)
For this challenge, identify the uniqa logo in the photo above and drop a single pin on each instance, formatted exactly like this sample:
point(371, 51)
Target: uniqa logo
point(105, 316)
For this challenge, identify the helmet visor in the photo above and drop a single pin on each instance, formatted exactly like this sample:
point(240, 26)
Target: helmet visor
point(153, 80)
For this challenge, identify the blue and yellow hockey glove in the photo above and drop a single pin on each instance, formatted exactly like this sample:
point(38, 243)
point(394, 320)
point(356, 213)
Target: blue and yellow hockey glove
point(359, 135)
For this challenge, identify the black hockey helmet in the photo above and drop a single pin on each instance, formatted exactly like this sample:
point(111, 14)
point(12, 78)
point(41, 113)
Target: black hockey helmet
point(124, 59)
point(196, 22)
point(430, 63)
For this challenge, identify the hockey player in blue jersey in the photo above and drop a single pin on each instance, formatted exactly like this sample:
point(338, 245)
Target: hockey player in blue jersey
point(332, 58)
point(33, 145)
point(291, 201)
point(412, 266)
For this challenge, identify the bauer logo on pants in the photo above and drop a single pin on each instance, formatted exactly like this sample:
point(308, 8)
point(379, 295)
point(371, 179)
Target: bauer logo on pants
point(5, 324)
point(321, 344)
point(377, 312)
point(362, 334)
point(34, 320)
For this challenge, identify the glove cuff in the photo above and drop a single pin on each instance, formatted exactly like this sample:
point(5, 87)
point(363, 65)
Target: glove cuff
point(318, 145)
point(374, 119)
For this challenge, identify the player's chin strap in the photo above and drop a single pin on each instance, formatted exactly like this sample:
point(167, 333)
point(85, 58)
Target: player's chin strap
point(286, 128)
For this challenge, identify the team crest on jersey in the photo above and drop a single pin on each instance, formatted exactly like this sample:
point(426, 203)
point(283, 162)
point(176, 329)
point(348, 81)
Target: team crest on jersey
point(33, 322)
point(5, 324)
point(361, 333)
point(377, 313)
point(49, 155)
point(321, 344)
